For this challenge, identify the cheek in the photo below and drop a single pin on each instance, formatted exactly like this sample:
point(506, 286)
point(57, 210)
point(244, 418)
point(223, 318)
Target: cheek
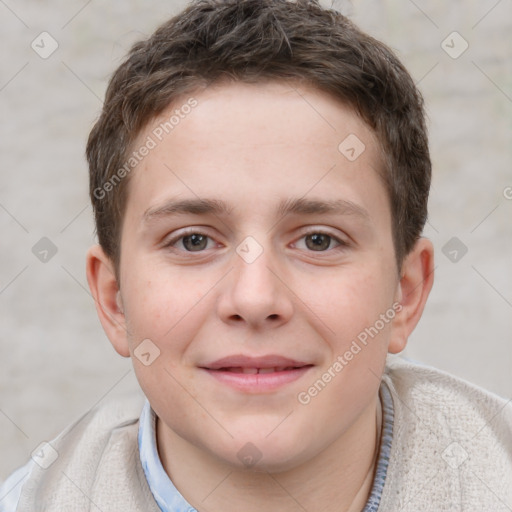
point(162, 305)
point(356, 298)
point(165, 309)
point(350, 374)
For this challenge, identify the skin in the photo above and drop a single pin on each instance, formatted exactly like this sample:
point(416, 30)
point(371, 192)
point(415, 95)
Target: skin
point(253, 146)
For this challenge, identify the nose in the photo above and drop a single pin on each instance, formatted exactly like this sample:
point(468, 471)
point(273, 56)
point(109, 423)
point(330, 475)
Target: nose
point(256, 292)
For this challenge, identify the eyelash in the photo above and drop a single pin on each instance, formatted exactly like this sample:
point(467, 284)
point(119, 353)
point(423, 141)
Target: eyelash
point(342, 244)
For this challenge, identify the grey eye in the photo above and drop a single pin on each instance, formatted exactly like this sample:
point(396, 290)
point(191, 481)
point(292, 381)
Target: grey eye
point(195, 242)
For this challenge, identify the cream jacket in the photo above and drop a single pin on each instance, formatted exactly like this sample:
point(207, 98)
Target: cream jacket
point(451, 451)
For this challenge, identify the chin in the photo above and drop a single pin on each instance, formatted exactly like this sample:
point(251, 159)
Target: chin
point(275, 463)
point(272, 454)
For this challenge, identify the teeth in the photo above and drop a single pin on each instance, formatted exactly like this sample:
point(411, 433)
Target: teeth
point(253, 371)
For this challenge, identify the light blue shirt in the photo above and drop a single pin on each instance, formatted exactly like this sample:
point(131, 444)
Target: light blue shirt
point(165, 493)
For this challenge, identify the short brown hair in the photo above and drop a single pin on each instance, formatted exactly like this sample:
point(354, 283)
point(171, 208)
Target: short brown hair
point(254, 41)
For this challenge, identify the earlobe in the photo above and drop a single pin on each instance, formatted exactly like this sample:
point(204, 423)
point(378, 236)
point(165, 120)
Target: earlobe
point(107, 296)
point(416, 281)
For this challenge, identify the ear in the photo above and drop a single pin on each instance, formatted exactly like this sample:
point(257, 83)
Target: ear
point(417, 278)
point(106, 293)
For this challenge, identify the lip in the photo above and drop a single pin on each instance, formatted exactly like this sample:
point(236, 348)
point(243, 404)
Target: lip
point(243, 361)
point(239, 372)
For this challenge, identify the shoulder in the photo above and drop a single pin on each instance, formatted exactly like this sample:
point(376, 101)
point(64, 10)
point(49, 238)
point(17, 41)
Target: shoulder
point(452, 440)
point(443, 394)
point(73, 466)
point(10, 489)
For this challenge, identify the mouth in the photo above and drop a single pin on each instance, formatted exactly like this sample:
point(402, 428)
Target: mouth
point(252, 371)
point(256, 374)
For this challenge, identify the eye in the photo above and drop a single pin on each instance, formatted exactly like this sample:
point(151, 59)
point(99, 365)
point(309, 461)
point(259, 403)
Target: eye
point(192, 241)
point(195, 241)
point(320, 241)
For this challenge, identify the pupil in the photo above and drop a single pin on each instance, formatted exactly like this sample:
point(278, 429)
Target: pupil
point(195, 241)
point(319, 241)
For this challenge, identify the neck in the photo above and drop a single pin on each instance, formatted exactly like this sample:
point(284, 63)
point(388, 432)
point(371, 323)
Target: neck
point(339, 479)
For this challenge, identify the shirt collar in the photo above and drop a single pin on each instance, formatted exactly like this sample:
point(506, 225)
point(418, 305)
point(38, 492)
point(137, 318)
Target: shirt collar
point(165, 493)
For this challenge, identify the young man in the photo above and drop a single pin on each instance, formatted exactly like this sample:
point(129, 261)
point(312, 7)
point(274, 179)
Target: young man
point(260, 176)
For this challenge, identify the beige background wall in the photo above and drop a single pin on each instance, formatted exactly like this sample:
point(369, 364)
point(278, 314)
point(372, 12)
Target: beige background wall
point(56, 362)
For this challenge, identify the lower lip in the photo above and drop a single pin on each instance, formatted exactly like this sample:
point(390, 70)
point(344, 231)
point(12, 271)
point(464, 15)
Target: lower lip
point(258, 382)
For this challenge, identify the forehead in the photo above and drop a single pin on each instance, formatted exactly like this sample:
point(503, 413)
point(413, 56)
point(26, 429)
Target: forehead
point(254, 139)
point(253, 112)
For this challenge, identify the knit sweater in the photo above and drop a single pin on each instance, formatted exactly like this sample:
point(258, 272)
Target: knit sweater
point(451, 451)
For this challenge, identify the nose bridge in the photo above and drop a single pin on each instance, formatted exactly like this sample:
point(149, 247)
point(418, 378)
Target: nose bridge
point(256, 294)
point(253, 276)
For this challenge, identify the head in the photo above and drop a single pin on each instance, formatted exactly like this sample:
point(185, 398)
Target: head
point(259, 176)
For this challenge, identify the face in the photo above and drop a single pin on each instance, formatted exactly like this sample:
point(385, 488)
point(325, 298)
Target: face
point(257, 262)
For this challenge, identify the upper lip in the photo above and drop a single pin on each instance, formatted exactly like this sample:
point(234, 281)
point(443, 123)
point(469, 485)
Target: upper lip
point(242, 361)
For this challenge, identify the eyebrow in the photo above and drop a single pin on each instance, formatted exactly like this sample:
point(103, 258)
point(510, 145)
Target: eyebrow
point(297, 206)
